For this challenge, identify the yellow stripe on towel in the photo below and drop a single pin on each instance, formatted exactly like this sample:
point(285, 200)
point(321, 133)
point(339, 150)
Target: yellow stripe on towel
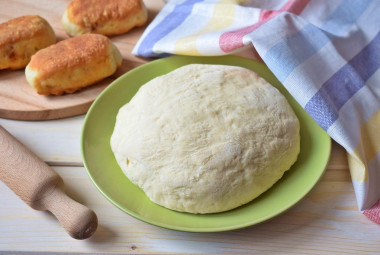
point(358, 169)
point(367, 149)
point(223, 16)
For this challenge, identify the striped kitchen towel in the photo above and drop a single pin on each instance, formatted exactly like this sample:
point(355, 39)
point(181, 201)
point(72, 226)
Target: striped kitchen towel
point(326, 54)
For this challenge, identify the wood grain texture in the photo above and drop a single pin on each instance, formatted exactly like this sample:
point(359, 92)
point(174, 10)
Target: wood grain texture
point(41, 188)
point(19, 101)
point(56, 142)
point(325, 222)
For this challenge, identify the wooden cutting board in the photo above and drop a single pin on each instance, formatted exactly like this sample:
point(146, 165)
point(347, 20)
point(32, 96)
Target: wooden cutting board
point(19, 101)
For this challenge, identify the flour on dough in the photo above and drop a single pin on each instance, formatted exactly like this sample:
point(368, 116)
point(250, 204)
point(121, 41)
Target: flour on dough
point(206, 138)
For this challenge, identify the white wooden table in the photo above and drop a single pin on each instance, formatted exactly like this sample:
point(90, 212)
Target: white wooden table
point(325, 222)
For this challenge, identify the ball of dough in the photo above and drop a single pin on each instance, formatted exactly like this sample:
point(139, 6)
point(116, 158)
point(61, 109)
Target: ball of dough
point(206, 138)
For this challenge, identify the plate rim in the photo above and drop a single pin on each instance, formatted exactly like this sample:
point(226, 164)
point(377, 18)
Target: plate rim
point(184, 228)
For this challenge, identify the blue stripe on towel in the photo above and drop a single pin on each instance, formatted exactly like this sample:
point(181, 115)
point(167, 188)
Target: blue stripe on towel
point(336, 91)
point(289, 53)
point(344, 16)
point(168, 24)
point(295, 49)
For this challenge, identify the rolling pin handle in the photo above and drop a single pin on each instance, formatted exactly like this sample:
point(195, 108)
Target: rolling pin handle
point(40, 187)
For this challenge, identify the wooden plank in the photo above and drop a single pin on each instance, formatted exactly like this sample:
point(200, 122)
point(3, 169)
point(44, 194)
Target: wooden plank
point(57, 142)
point(325, 222)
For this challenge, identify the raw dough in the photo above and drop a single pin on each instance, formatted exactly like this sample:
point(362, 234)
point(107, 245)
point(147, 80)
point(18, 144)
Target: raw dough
point(206, 138)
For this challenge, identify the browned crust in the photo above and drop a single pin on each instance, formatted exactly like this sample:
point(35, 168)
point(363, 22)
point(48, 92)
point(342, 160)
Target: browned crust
point(89, 13)
point(22, 28)
point(60, 91)
point(67, 54)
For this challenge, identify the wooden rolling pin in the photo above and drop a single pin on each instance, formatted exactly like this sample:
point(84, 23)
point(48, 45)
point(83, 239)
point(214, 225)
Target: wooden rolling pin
point(41, 188)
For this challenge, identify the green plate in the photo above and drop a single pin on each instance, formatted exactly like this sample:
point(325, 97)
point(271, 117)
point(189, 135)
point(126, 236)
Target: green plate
point(114, 185)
